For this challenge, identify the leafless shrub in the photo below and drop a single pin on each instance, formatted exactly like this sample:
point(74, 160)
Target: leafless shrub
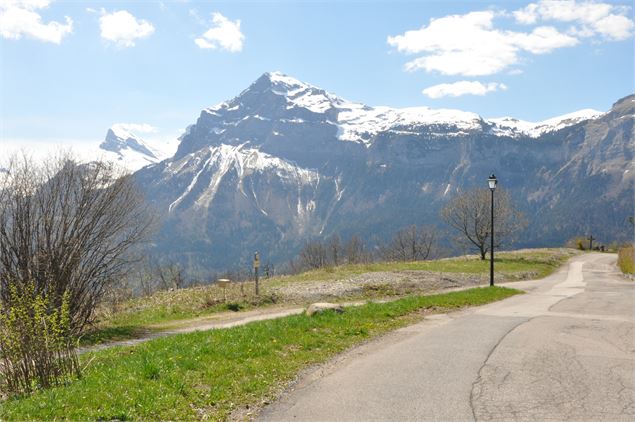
point(170, 276)
point(313, 255)
point(68, 228)
point(410, 244)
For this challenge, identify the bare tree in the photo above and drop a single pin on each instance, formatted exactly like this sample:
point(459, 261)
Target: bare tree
point(469, 214)
point(410, 244)
point(355, 250)
point(68, 228)
point(313, 255)
point(170, 275)
point(334, 246)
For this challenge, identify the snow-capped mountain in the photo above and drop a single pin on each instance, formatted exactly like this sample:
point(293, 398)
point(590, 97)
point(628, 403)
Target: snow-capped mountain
point(131, 151)
point(286, 161)
point(360, 123)
point(120, 145)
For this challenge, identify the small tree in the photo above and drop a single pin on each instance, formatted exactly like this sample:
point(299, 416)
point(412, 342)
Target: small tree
point(469, 214)
point(68, 228)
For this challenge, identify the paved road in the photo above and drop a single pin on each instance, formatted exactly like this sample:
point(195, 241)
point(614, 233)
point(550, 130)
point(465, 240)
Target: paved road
point(563, 351)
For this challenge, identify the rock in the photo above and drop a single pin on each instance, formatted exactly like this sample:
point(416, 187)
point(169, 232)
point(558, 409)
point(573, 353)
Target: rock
point(318, 308)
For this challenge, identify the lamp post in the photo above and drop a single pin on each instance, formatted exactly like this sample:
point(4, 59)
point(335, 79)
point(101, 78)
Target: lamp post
point(492, 181)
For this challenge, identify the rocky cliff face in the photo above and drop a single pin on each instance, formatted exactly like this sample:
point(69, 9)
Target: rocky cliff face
point(286, 161)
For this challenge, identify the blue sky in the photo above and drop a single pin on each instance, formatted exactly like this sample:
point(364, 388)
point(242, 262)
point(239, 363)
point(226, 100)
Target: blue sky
point(71, 69)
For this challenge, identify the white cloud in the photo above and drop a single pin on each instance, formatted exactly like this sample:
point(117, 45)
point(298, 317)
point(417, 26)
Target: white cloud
point(21, 18)
point(224, 34)
point(469, 44)
point(122, 28)
point(528, 15)
point(541, 40)
point(459, 88)
point(592, 18)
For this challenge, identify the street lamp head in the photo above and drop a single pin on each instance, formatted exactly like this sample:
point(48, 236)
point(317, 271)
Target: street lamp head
point(492, 181)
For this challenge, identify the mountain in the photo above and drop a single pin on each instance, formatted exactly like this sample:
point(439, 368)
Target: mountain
point(123, 146)
point(286, 161)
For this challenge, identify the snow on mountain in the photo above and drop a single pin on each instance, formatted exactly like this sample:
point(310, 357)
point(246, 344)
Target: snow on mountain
point(355, 121)
point(218, 161)
point(509, 126)
point(361, 123)
point(131, 151)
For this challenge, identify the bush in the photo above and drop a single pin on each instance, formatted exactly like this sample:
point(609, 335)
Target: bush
point(578, 242)
point(37, 348)
point(626, 260)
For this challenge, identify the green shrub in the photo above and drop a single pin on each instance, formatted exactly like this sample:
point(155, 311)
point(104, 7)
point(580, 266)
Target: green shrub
point(37, 348)
point(626, 260)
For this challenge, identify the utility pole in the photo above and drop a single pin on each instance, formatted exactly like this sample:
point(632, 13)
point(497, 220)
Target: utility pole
point(591, 239)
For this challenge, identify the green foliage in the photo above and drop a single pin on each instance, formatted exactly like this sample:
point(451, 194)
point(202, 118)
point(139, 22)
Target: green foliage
point(626, 260)
point(206, 375)
point(37, 349)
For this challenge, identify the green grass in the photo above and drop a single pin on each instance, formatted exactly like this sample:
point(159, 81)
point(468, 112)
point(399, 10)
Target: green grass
point(166, 308)
point(210, 374)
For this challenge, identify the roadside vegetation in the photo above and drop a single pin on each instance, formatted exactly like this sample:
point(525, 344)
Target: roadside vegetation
point(626, 259)
point(209, 375)
point(67, 230)
point(169, 309)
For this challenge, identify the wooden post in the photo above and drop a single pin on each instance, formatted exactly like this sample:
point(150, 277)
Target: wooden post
point(256, 266)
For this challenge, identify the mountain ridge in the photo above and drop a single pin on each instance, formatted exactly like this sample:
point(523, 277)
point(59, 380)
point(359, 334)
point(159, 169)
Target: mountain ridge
point(396, 168)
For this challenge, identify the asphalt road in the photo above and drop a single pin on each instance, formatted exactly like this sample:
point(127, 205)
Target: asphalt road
point(563, 351)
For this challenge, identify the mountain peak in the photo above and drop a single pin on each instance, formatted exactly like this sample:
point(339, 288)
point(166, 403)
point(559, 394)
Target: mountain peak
point(280, 83)
point(119, 139)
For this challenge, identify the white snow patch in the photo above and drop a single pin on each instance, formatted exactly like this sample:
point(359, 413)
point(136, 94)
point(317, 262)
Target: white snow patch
point(245, 161)
point(360, 123)
point(508, 126)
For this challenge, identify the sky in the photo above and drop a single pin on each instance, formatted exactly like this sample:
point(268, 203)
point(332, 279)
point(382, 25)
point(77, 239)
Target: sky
point(72, 69)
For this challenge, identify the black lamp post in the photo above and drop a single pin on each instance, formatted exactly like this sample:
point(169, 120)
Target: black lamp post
point(492, 181)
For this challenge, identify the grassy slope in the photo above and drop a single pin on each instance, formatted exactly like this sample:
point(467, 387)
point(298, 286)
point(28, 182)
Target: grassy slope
point(209, 374)
point(150, 313)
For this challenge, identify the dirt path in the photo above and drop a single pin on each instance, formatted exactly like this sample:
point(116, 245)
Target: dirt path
point(234, 319)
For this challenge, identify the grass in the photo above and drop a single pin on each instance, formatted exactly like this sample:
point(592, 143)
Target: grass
point(626, 260)
point(539, 264)
point(165, 309)
point(210, 374)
